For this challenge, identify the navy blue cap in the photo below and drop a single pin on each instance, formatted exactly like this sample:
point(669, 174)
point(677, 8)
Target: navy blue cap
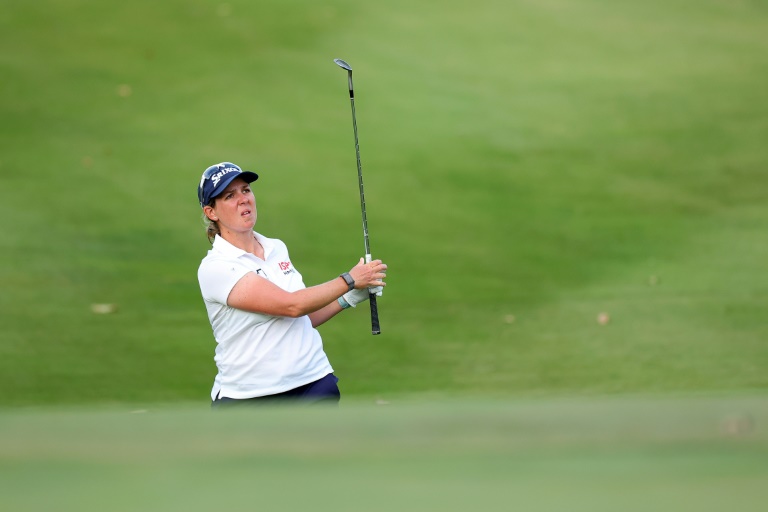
point(218, 177)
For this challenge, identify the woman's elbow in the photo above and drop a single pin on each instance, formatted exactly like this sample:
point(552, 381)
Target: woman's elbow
point(295, 311)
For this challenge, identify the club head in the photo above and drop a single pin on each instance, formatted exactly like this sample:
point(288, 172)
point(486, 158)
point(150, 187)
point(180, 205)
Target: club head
point(343, 64)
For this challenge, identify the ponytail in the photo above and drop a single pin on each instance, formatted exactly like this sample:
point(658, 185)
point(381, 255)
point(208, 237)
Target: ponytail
point(211, 226)
point(211, 229)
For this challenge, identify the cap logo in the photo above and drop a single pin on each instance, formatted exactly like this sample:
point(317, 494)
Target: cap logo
point(217, 177)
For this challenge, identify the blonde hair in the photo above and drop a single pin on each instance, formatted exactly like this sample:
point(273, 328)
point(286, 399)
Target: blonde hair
point(211, 226)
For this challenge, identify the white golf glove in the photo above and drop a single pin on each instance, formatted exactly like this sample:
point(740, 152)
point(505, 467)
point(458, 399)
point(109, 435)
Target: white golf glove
point(356, 296)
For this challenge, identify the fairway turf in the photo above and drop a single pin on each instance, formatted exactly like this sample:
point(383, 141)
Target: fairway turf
point(682, 453)
point(528, 166)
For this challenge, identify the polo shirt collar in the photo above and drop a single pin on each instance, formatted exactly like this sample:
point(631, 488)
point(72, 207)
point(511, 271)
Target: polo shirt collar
point(266, 243)
point(222, 246)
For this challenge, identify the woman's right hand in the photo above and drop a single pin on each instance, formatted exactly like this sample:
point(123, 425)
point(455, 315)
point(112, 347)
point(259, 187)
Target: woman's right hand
point(369, 275)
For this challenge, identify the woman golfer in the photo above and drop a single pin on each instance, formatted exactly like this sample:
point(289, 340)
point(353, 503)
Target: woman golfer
point(263, 317)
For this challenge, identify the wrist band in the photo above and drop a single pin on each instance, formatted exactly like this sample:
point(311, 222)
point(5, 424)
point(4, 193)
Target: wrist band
point(343, 303)
point(349, 280)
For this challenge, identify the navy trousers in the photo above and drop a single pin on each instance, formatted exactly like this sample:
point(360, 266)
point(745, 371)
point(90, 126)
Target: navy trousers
point(321, 391)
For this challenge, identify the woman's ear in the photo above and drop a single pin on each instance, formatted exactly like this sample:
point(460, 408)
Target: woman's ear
point(210, 213)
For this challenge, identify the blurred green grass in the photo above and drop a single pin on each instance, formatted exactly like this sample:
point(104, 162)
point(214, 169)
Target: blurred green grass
point(528, 166)
point(684, 453)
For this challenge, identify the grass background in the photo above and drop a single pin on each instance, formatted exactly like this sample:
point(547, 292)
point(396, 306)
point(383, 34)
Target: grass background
point(528, 166)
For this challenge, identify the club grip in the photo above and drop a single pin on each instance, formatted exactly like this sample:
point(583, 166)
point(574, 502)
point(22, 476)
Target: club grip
point(375, 329)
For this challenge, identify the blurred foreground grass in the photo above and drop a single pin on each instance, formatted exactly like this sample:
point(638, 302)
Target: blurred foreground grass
point(621, 453)
point(528, 167)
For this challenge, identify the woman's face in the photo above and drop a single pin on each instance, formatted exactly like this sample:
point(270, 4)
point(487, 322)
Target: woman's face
point(235, 208)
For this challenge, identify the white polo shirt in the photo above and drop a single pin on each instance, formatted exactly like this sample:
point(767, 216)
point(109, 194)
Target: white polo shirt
point(257, 354)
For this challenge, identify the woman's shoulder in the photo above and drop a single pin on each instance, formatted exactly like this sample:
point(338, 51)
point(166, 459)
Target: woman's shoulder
point(212, 260)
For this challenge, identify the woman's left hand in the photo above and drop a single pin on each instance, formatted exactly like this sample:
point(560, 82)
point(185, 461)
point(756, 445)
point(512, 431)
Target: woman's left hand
point(357, 296)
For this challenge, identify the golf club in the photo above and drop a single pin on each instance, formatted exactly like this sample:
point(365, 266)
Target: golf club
point(375, 329)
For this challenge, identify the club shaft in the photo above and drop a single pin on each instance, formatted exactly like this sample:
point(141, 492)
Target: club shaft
point(375, 327)
point(360, 179)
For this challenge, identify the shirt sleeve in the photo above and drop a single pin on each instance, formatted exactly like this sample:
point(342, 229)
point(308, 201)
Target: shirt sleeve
point(217, 278)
